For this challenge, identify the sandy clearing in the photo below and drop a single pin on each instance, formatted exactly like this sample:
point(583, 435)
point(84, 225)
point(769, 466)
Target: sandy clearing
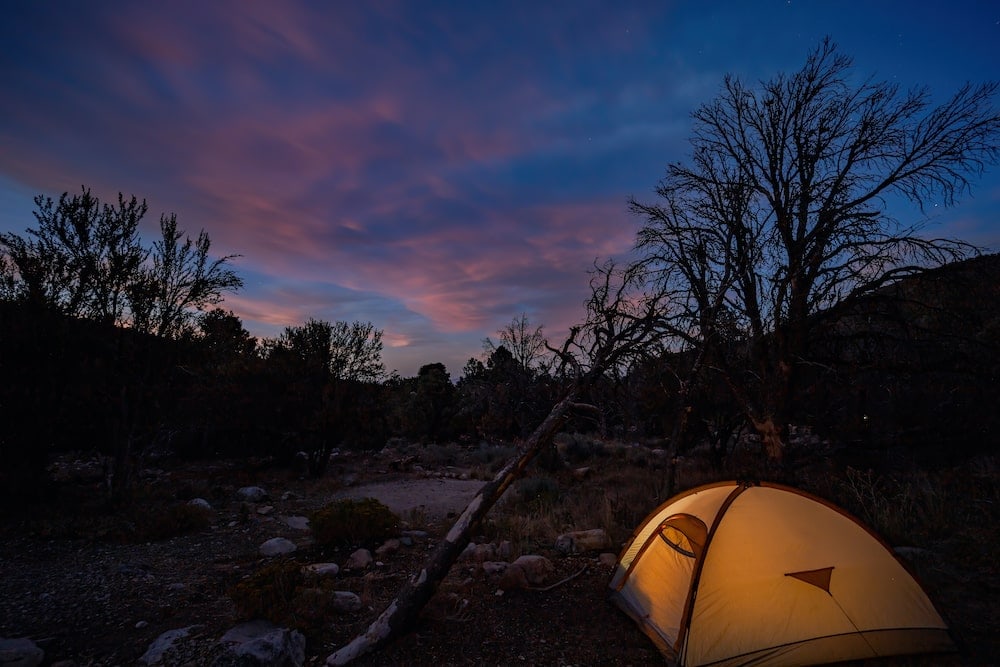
point(435, 497)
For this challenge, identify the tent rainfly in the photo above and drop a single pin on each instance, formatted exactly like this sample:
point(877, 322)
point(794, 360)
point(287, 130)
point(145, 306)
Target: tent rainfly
point(763, 574)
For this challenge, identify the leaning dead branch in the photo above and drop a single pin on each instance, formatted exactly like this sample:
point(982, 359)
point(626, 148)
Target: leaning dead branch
point(619, 327)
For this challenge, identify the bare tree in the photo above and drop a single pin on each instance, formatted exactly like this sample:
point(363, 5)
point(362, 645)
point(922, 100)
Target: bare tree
point(525, 342)
point(86, 259)
point(81, 258)
point(182, 279)
point(783, 211)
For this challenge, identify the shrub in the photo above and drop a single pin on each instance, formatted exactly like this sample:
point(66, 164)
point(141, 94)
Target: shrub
point(268, 593)
point(438, 456)
point(577, 448)
point(492, 457)
point(535, 491)
point(352, 521)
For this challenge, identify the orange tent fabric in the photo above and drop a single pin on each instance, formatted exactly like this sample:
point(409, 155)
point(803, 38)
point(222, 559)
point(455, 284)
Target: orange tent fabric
point(763, 574)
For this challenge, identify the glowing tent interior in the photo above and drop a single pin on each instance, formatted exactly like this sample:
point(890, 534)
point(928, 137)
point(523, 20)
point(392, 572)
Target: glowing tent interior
point(762, 574)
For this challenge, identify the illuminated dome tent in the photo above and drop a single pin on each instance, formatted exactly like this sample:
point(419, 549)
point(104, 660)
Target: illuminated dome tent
point(735, 574)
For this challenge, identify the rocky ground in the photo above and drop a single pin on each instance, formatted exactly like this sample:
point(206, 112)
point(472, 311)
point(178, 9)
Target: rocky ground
point(97, 600)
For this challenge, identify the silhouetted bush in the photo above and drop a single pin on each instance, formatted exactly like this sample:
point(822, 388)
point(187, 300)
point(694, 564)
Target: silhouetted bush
point(352, 522)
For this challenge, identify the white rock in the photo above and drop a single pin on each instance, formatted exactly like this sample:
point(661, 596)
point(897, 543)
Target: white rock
point(276, 546)
point(163, 643)
point(580, 541)
point(261, 643)
point(251, 494)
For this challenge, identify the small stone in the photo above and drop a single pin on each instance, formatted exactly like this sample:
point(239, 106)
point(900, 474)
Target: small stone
point(141, 624)
point(416, 534)
point(296, 522)
point(200, 502)
point(494, 568)
point(345, 602)
point(359, 560)
point(251, 494)
point(580, 541)
point(388, 548)
point(277, 546)
point(264, 510)
point(322, 569)
point(607, 559)
point(163, 643)
point(534, 568)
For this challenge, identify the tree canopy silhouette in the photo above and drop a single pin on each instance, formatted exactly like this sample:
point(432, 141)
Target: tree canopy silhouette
point(783, 210)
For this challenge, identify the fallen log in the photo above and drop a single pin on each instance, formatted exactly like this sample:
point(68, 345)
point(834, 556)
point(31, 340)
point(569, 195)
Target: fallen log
point(403, 611)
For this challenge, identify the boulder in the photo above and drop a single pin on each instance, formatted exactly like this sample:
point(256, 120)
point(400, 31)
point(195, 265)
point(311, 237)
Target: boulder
point(21, 652)
point(261, 643)
point(277, 546)
point(580, 541)
point(251, 494)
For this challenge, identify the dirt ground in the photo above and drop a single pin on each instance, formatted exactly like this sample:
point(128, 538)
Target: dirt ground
point(93, 600)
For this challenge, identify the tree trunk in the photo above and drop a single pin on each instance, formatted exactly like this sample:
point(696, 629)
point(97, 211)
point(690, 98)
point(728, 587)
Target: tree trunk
point(403, 611)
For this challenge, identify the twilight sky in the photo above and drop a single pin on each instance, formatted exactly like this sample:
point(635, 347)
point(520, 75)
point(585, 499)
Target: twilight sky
point(436, 168)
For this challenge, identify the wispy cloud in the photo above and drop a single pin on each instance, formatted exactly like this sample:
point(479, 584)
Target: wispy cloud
point(435, 168)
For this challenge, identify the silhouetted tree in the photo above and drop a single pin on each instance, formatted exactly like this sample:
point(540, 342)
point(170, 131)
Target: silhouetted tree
point(182, 279)
point(524, 341)
point(326, 367)
point(86, 259)
point(81, 258)
point(782, 211)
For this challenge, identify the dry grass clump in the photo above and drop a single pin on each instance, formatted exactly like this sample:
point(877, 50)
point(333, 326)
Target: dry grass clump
point(279, 592)
point(350, 521)
point(920, 507)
